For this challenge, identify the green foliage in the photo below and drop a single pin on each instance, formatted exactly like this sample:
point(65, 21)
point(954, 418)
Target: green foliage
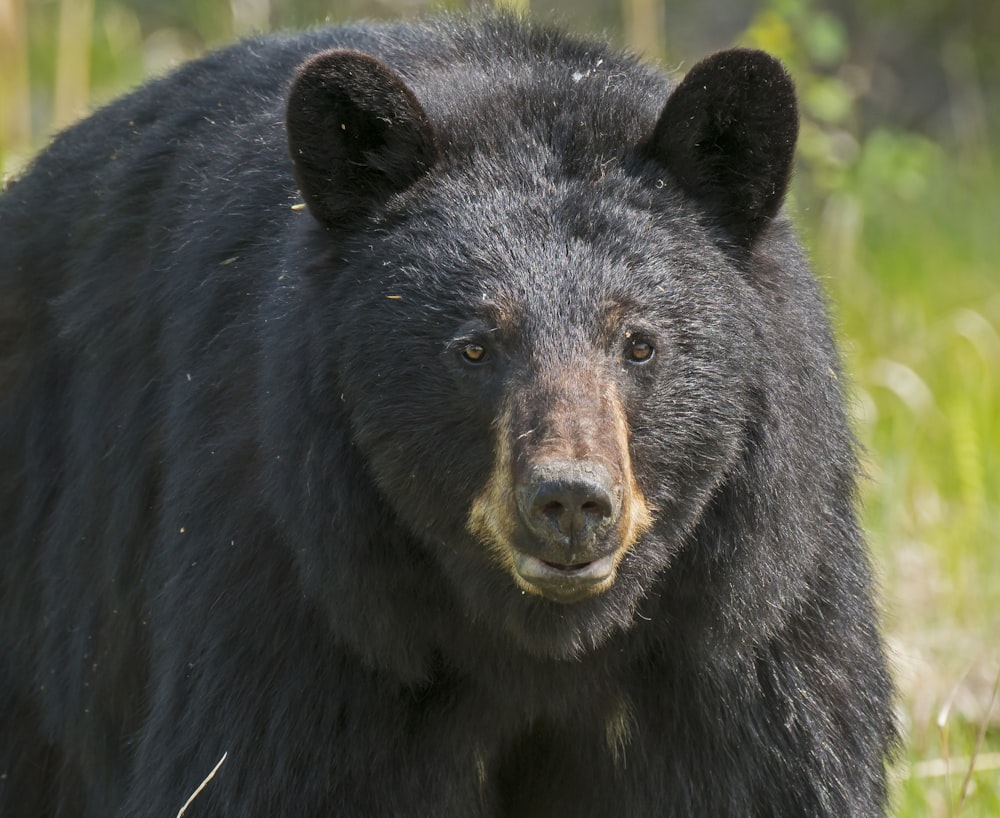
point(906, 231)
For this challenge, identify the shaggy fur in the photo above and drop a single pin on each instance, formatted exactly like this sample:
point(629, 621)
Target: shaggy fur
point(297, 346)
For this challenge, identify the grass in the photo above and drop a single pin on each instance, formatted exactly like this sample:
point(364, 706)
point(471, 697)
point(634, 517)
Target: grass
point(912, 253)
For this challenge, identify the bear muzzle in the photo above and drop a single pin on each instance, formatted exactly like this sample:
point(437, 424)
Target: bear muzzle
point(562, 506)
point(569, 511)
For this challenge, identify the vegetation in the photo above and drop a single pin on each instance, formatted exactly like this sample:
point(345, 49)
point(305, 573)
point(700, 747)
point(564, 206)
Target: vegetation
point(904, 229)
point(904, 232)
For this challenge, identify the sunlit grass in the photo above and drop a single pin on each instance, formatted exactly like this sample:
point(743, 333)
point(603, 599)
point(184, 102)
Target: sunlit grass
point(912, 250)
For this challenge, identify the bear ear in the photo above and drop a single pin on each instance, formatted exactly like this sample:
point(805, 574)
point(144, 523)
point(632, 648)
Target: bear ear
point(727, 136)
point(356, 133)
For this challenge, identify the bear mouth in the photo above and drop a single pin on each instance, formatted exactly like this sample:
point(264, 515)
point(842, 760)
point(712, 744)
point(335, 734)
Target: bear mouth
point(562, 582)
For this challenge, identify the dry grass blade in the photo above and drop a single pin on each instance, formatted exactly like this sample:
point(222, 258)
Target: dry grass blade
point(980, 737)
point(201, 786)
point(942, 723)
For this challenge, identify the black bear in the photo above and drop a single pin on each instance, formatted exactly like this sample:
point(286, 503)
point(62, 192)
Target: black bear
point(432, 419)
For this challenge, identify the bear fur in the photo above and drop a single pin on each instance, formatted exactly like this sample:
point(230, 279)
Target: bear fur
point(430, 419)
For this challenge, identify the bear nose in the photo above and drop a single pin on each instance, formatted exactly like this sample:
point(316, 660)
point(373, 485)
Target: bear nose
point(569, 503)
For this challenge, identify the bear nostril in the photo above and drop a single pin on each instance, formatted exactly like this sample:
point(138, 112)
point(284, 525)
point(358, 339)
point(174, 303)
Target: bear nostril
point(552, 509)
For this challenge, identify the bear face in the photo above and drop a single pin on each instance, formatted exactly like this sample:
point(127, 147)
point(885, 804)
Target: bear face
point(549, 396)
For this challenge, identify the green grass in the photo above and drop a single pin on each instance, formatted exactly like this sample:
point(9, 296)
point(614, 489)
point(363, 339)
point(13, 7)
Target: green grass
point(911, 252)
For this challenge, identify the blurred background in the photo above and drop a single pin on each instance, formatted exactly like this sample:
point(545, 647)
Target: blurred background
point(896, 196)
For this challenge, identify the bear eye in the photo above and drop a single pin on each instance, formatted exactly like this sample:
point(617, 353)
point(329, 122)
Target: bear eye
point(638, 351)
point(473, 353)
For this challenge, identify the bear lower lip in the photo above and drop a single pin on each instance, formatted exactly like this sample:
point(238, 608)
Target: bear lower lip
point(565, 582)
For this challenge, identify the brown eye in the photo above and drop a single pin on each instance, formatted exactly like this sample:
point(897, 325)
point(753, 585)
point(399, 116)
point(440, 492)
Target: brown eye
point(474, 353)
point(639, 351)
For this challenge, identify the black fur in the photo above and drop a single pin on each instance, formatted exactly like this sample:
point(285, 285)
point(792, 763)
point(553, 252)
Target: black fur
point(238, 447)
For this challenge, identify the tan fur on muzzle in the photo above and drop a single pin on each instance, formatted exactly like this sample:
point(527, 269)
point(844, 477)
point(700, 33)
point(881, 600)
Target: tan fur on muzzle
point(494, 517)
